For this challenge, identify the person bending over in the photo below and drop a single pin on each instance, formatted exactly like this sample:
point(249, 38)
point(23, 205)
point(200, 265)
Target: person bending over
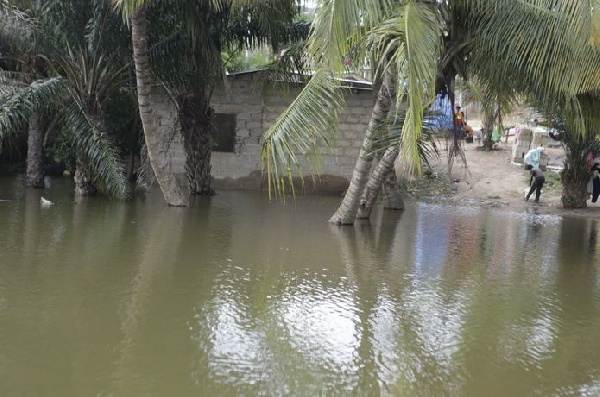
point(536, 181)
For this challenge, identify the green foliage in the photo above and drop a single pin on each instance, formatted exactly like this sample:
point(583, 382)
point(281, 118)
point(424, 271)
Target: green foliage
point(240, 61)
point(122, 121)
point(553, 181)
point(19, 104)
point(61, 149)
point(191, 37)
point(282, 142)
point(404, 40)
point(97, 151)
point(79, 51)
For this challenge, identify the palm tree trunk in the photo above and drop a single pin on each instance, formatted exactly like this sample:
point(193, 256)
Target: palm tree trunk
point(392, 197)
point(574, 178)
point(196, 120)
point(488, 126)
point(574, 195)
point(83, 185)
point(348, 209)
point(156, 150)
point(35, 144)
point(375, 182)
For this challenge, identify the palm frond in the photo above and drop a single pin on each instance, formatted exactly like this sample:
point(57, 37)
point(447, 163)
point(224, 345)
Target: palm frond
point(292, 67)
point(309, 124)
point(524, 44)
point(332, 36)
point(127, 7)
point(185, 47)
point(392, 135)
point(10, 82)
point(18, 107)
point(265, 21)
point(20, 31)
point(595, 24)
point(491, 98)
point(97, 151)
point(410, 42)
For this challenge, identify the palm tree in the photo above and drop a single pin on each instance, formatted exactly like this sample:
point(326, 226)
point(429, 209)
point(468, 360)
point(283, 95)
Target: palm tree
point(68, 42)
point(135, 11)
point(27, 68)
point(400, 63)
point(190, 37)
point(578, 145)
point(205, 26)
point(552, 70)
point(520, 46)
point(495, 101)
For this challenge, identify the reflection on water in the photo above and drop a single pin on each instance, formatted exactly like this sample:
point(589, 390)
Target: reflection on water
point(241, 296)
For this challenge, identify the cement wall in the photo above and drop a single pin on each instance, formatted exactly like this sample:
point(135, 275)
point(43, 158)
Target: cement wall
point(254, 114)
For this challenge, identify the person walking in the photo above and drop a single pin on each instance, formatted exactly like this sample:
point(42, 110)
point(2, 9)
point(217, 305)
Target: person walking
point(536, 181)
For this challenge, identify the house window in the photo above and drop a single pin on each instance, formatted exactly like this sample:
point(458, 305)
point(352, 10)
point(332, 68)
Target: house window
point(224, 132)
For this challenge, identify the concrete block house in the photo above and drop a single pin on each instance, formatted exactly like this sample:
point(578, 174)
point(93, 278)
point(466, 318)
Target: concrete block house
point(243, 113)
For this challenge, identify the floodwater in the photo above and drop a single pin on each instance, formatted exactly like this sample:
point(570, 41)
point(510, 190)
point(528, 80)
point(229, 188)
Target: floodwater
point(239, 296)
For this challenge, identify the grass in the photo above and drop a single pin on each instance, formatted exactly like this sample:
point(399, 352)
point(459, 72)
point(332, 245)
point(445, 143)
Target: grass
point(552, 183)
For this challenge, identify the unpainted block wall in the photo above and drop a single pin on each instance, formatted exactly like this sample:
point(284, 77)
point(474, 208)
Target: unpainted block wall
point(255, 113)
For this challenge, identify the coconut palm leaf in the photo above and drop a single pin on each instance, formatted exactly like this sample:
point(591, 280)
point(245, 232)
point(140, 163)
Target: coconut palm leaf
point(511, 45)
point(127, 7)
point(595, 28)
point(17, 28)
point(310, 123)
point(391, 134)
point(320, 103)
point(335, 25)
point(515, 51)
point(410, 41)
point(291, 67)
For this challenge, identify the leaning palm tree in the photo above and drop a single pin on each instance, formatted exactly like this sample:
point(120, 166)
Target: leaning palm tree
point(202, 58)
point(392, 28)
point(86, 72)
point(135, 12)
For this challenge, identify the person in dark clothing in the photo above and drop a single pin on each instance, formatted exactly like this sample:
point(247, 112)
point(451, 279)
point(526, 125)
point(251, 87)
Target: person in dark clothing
point(595, 181)
point(536, 181)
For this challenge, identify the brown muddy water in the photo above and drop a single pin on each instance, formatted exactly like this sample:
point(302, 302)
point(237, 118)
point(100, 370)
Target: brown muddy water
point(239, 296)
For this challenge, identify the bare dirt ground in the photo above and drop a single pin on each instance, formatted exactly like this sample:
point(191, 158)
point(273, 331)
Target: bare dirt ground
point(490, 179)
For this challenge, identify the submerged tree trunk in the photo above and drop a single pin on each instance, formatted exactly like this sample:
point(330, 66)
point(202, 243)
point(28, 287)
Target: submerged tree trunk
point(392, 197)
point(83, 184)
point(196, 119)
point(375, 182)
point(346, 213)
point(156, 150)
point(145, 177)
point(35, 145)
